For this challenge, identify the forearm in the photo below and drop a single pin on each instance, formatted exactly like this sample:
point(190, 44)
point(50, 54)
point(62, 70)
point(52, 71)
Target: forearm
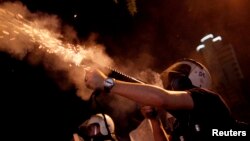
point(144, 94)
point(141, 93)
point(153, 96)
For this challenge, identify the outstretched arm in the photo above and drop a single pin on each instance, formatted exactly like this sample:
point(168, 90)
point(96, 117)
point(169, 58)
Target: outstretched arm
point(144, 94)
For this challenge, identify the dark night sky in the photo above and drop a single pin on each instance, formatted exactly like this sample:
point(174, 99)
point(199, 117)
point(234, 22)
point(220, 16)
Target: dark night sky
point(161, 32)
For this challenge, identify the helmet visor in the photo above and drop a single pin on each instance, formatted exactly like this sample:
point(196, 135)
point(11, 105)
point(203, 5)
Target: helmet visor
point(93, 130)
point(169, 80)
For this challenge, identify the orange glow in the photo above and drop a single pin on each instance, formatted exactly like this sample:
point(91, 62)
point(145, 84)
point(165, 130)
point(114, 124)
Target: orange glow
point(23, 33)
point(15, 26)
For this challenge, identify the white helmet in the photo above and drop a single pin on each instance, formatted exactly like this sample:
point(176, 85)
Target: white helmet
point(188, 68)
point(99, 119)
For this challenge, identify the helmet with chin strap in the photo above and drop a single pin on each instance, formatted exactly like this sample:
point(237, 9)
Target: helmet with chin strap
point(186, 74)
point(99, 119)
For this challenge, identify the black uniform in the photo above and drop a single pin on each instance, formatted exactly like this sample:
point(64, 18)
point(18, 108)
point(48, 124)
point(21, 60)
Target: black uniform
point(210, 113)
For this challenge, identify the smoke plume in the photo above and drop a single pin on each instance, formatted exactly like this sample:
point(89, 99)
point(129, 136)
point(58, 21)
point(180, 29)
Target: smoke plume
point(38, 38)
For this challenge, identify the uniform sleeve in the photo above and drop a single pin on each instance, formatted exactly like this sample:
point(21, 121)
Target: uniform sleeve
point(209, 106)
point(202, 100)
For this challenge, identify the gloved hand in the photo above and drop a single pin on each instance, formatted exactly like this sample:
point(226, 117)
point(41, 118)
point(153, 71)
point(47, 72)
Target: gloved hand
point(149, 112)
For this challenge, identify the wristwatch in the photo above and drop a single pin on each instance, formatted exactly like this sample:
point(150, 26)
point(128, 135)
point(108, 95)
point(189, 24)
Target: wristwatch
point(108, 84)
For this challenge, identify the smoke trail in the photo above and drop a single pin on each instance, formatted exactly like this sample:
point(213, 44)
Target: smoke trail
point(36, 36)
point(140, 68)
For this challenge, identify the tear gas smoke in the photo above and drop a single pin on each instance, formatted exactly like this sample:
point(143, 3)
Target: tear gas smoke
point(42, 39)
point(139, 68)
point(37, 37)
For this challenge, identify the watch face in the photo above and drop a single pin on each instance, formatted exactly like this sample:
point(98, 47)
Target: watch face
point(109, 82)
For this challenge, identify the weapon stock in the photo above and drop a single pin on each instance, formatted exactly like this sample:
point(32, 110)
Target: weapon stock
point(119, 76)
point(124, 77)
point(112, 72)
